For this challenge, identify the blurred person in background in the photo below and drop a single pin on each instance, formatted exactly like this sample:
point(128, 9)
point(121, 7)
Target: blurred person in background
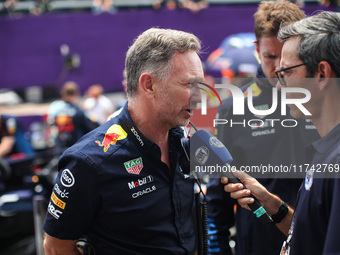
point(12, 137)
point(68, 122)
point(100, 6)
point(169, 4)
point(7, 131)
point(195, 5)
point(97, 106)
point(300, 3)
point(258, 144)
point(9, 7)
point(328, 3)
point(42, 6)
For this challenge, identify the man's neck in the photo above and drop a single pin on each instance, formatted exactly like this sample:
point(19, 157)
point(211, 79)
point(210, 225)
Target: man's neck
point(324, 125)
point(151, 128)
point(329, 116)
point(147, 123)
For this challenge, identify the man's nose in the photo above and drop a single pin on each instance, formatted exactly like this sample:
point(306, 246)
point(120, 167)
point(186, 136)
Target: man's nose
point(278, 86)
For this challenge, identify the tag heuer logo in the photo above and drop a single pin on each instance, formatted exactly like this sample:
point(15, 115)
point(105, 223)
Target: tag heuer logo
point(134, 166)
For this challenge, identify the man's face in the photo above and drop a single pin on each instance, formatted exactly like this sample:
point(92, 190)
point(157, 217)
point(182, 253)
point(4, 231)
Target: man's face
point(176, 98)
point(269, 52)
point(296, 77)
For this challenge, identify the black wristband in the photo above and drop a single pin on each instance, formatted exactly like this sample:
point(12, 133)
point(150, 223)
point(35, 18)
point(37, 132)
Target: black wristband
point(283, 210)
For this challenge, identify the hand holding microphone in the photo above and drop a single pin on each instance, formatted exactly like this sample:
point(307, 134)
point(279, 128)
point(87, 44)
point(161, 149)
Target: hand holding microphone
point(207, 151)
point(245, 191)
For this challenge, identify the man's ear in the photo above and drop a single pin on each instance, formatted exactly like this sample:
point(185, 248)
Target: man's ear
point(324, 74)
point(146, 84)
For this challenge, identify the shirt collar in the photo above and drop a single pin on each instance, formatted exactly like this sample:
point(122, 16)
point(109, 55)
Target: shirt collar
point(328, 141)
point(262, 81)
point(143, 143)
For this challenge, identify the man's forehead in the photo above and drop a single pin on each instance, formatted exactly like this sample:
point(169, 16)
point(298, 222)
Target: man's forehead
point(289, 50)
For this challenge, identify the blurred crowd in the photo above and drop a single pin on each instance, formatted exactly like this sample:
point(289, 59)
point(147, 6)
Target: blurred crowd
point(12, 7)
point(38, 7)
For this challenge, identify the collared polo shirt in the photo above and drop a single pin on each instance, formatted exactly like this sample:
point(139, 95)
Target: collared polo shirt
point(113, 187)
point(317, 221)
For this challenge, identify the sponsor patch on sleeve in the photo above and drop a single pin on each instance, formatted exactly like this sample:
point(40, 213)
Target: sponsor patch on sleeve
point(58, 202)
point(113, 134)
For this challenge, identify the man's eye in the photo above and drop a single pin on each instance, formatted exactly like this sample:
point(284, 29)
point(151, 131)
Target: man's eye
point(270, 56)
point(287, 72)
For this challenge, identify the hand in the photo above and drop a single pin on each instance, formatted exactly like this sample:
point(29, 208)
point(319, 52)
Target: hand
point(269, 201)
point(241, 192)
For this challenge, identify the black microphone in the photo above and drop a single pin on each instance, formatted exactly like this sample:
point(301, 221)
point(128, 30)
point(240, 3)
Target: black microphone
point(209, 155)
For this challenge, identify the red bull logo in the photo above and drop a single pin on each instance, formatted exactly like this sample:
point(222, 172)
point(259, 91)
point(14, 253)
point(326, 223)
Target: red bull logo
point(113, 134)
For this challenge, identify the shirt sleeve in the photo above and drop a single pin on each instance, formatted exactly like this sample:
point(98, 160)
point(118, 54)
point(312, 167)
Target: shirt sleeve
point(74, 199)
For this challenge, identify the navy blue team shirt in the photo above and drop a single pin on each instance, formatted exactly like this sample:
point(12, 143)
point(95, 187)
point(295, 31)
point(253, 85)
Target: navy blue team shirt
point(317, 214)
point(71, 122)
point(113, 187)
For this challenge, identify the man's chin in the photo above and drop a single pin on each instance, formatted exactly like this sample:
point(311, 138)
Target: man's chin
point(182, 123)
point(185, 123)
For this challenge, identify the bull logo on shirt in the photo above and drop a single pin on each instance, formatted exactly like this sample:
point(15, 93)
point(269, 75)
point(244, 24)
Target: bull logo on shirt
point(112, 135)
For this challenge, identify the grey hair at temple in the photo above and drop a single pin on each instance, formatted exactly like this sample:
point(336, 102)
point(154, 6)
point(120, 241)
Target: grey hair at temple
point(320, 40)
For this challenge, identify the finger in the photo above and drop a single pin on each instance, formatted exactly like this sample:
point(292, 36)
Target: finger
point(233, 187)
point(240, 194)
point(241, 175)
point(224, 180)
point(243, 202)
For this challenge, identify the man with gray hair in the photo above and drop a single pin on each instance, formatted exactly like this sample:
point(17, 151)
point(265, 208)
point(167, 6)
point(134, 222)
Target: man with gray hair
point(122, 186)
point(310, 60)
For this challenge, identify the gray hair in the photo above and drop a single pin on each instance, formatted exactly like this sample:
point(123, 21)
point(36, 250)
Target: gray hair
point(320, 40)
point(152, 52)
